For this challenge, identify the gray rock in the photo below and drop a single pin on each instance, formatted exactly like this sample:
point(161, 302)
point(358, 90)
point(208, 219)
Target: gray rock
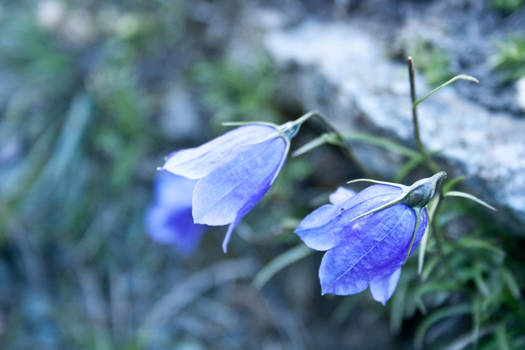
point(342, 70)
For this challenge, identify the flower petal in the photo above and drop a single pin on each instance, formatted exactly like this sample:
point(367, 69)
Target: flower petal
point(173, 225)
point(234, 188)
point(333, 264)
point(326, 227)
point(382, 288)
point(341, 195)
point(195, 163)
point(173, 190)
point(228, 235)
point(375, 245)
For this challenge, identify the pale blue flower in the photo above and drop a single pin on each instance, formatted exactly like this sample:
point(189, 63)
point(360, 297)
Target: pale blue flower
point(233, 171)
point(168, 220)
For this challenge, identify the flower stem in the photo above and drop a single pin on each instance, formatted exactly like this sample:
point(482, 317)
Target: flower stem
point(339, 137)
point(415, 119)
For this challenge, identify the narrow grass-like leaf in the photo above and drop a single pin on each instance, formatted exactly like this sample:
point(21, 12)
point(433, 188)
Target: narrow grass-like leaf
point(280, 262)
point(476, 318)
point(318, 141)
point(421, 305)
point(247, 123)
point(429, 266)
point(431, 287)
point(469, 196)
point(445, 84)
point(422, 250)
point(424, 241)
point(443, 313)
point(510, 283)
point(451, 183)
point(410, 165)
point(381, 142)
point(330, 138)
point(397, 311)
point(473, 243)
point(465, 340)
point(480, 282)
point(502, 337)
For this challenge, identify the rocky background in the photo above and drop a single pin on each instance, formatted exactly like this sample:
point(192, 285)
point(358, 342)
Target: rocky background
point(94, 94)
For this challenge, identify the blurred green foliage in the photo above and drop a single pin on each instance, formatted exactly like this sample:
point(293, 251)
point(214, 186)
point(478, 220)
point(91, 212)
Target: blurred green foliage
point(510, 58)
point(507, 6)
point(429, 58)
point(432, 61)
point(237, 93)
point(467, 276)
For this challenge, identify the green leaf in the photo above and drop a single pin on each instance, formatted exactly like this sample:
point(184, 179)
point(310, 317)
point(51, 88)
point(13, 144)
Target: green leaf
point(431, 287)
point(473, 243)
point(510, 282)
point(332, 139)
point(381, 142)
point(429, 267)
point(431, 209)
point(446, 312)
point(501, 337)
point(480, 282)
point(318, 141)
point(408, 167)
point(411, 165)
point(476, 318)
point(240, 123)
point(451, 183)
point(280, 262)
point(469, 196)
point(445, 84)
point(397, 310)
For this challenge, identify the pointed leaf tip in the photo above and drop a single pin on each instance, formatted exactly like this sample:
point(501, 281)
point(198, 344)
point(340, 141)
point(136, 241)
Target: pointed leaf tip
point(471, 197)
point(467, 77)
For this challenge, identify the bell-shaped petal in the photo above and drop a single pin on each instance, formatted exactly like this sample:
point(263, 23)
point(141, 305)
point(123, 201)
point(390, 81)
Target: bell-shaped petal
point(232, 189)
point(341, 195)
point(375, 245)
point(173, 190)
point(168, 220)
point(327, 226)
point(195, 163)
point(383, 287)
point(234, 171)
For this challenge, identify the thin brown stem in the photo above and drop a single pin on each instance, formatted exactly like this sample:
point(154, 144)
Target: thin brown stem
point(415, 118)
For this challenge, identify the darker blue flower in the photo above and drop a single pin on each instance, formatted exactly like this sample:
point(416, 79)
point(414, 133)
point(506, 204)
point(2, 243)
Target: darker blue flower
point(168, 219)
point(368, 235)
point(234, 171)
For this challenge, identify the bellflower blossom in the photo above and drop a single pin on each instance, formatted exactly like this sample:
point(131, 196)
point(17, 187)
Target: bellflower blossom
point(168, 220)
point(368, 235)
point(234, 171)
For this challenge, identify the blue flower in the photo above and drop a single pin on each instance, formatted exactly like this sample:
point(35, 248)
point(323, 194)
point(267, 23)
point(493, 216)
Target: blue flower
point(369, 235)
point(234, 171)
point(168, 220)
